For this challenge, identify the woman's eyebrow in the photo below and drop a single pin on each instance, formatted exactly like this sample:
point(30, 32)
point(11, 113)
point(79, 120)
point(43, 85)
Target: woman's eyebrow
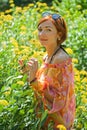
point(48, 27)
point(45, 27)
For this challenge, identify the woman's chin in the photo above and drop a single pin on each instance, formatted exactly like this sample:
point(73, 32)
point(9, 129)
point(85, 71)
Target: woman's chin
point(43, 43)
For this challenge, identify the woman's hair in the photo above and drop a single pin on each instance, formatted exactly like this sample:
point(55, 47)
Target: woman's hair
point(60, 25)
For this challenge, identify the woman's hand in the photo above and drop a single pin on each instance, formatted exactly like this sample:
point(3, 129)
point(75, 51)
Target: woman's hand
point(23, 68)
point(30, 68)
point(32, 65)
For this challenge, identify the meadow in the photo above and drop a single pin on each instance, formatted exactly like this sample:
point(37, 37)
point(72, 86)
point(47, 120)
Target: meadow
point(18, 40)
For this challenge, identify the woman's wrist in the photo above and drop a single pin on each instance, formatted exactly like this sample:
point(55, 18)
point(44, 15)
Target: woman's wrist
point(33, 80)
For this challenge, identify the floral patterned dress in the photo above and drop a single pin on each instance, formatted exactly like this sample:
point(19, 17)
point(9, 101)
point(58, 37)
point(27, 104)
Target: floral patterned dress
point(58, 81)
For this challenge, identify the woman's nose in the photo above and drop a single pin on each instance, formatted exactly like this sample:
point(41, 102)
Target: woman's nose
point(42, 33)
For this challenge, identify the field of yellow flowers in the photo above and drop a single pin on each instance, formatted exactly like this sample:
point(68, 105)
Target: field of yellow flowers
point(18, 40)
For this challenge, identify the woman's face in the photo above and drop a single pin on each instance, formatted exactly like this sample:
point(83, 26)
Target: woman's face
point(47, 34)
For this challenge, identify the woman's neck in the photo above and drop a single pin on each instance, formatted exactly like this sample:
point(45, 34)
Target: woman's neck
point(51, 50)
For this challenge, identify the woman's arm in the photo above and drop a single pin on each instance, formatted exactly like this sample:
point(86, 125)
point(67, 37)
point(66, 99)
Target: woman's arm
point(30, 69)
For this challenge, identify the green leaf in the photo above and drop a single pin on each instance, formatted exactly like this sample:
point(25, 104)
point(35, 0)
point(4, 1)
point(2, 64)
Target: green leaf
point(43, 118)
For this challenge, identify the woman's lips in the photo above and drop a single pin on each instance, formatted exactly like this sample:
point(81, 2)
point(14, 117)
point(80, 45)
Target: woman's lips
point(43, 39)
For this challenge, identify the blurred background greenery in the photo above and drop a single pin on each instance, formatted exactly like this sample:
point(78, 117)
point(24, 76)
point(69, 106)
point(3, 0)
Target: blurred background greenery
point(4, 4)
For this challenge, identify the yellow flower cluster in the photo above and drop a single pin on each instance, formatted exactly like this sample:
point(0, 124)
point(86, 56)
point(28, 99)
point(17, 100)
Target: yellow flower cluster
point(20, 83)
point(11, 3)
point(41, 4)
point(18, 10)
point(8, 91)
point(14, 42)
point(8, 18)
point(79, 126)
point(83, 72)
point(69, 50)
point(74, 60)
point(8, 11)
point(61, 127)
point(23, 27)
point(4, 102)
point(78, 76)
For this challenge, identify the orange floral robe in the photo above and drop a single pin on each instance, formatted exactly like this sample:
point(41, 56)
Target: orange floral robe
point(58, 80)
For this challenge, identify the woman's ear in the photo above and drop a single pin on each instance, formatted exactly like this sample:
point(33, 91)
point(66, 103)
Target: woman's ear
point(59, 35)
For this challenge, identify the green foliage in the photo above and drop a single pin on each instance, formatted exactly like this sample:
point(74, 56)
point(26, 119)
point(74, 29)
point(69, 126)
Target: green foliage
point(43, 118)
point(77, 27)
point(19, 113)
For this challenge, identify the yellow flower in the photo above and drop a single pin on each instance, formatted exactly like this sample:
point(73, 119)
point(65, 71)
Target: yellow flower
point(2, 14)
point(4, 102)
point(8, 11)
point(84, 100)
point(0, 33)
point(85, 93)
point(24, 47)
point(70, 51)
point(77, 78)
point(12, 5)
point(25, 9)
point(1, 67)
point(24, 57)
point(39, 3)
point(11, 1)
point(18, 9)
point(52, 7)
point(35, 42)
point(35, 32)
point(17, 51)
point(8, 91)
point(23, 28)
point(1, 22)
point(81, 87)
point(74, 60)
point(38, 54)
point(79, 125)
point(31, 5)
point(23, 32)
point(25, 51)
point(83, 72)
point(82, 108)
point(8, 17)
point(20, 83)
point(61, 127)
point(44, 4)
point(84, 80)
point(14, 42)
point(76, 72)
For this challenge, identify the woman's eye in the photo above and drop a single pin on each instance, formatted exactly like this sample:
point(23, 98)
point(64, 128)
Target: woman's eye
point(49, 30)
point(39, 29)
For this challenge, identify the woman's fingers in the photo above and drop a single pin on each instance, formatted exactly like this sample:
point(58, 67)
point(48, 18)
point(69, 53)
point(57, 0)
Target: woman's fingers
point(33, 63)
point(31, 67)
point(21, 62)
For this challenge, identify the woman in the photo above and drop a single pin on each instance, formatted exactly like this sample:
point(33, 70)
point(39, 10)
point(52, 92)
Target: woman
point(53, 83)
